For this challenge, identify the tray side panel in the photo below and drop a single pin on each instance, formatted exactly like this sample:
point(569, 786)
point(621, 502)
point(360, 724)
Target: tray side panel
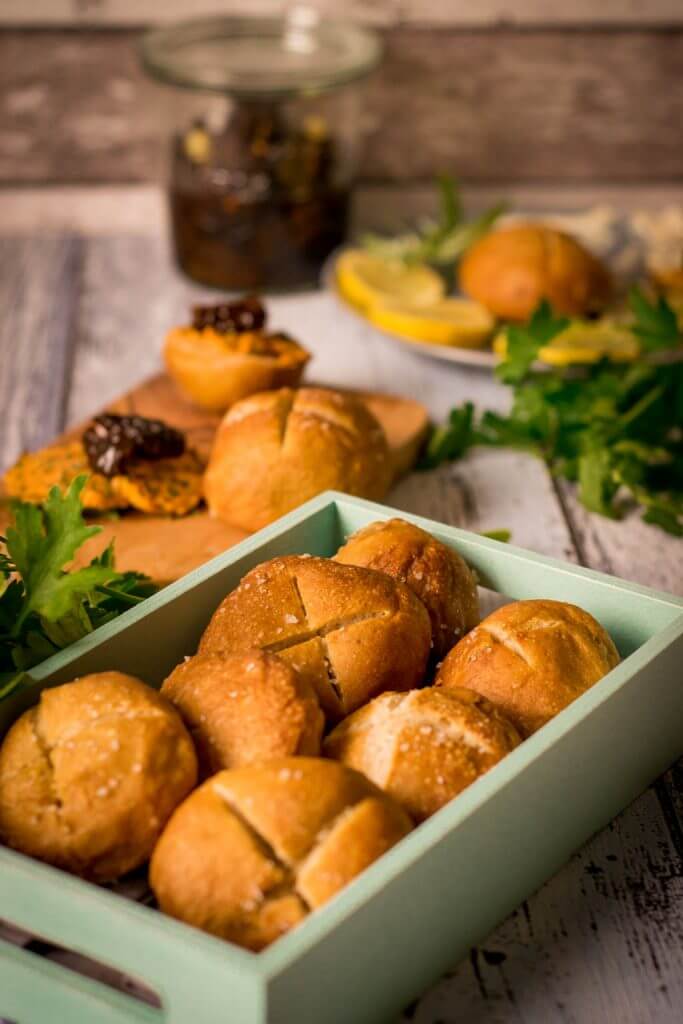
point(393, 945)
point(33, 990)
point(197, 978)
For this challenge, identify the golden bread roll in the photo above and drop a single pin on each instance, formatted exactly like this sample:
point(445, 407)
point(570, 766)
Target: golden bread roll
point(423, 747)
point(90, 775)
point(511, 269)
point(254, 850)
point(277, 449)
point(531, 659)
point(215, 369)
point(438, 575)
point(350, 632)
point(244, 709)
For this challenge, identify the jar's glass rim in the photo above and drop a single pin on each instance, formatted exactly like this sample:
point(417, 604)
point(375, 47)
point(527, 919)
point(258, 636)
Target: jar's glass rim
point(298, 53)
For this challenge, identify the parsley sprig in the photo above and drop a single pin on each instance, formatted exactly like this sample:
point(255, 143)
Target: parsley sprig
point(616, 430)
point(437, 241)
point(44, 607)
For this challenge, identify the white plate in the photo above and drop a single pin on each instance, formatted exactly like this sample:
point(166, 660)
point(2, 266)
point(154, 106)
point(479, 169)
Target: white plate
point(483, 357)
point(609, 234)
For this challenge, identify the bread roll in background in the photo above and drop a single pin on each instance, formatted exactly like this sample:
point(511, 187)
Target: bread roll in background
point(90, 775)
point(510, 270)
point(244, 708)
point(275, 450)
point(423, 747)
point(252, 851)
point(438, 575)
point(531, 659)
point(350, 632)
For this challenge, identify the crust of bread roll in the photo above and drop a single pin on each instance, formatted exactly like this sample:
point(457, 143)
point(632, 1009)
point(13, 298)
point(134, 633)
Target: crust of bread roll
point(90, 775)
point(275, 450)
point(438, 575)
point(511, 269)
point(216, 370)
point(244, 709)
point(531, 659)
point(350, 632)
point(423, 747)
point(252, 851)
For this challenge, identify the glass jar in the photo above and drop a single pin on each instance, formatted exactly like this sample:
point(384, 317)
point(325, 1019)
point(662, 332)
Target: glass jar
point(267, 125)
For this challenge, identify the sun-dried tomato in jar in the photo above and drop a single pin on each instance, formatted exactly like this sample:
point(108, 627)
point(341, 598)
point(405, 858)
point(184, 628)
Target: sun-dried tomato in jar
point(265, 153)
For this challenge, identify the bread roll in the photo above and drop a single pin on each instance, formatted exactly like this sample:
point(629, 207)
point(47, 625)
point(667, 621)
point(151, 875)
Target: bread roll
point(351, 633)
point(531, 659)
point(423, 747)
point(277, 449)
point(216, 369)
point(254, 850)
point(90, 775)
point(244, 708)
point(511, 269)
point(438, 575)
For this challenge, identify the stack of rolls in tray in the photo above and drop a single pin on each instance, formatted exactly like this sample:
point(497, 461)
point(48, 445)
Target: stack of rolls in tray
point(332, 706)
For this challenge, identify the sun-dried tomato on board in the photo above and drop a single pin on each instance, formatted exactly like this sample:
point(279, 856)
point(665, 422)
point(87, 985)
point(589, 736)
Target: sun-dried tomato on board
point(112, 442)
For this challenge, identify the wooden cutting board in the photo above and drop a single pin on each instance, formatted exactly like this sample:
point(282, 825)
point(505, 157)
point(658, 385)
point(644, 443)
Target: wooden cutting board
point(166, 548)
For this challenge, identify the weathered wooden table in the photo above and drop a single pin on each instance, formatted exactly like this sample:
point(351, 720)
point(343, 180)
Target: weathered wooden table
point(87, 292)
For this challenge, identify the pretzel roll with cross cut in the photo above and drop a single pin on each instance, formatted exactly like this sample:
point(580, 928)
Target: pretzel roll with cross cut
point(350, 632)
point(254, 850)
point(276, 449)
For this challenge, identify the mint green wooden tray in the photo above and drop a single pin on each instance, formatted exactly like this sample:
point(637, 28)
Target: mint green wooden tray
point(417, 910)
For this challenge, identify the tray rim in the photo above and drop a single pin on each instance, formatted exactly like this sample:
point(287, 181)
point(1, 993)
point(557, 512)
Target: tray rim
point(301, 514)
point(269, 964)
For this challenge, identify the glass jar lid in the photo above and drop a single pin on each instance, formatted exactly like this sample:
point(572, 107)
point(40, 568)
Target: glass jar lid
point(300, 52)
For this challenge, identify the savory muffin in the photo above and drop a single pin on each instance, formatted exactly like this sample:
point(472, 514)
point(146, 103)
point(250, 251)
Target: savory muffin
point(226, 354)
point(277, 449)
point(244, 708)
point(423, 747)
point(350, 632)
point(437, 574)
point(254, 850)
point(90, 775)
point(531, 659)
point(511, 269)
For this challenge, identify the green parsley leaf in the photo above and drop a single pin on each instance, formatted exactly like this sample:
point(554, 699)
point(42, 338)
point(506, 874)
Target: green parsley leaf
point(525, 340)
point(655, 325)
point(597, 486)
point(43, 606)
point(501, 535)
point(41, 542)
point(614, 429)
point(440, 241)
point(667, 519)
point(451, 440)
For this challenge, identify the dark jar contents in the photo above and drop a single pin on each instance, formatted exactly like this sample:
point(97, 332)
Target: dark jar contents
point(259, 203)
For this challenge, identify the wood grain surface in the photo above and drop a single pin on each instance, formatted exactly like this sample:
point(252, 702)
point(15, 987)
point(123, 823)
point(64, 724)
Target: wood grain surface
point(503, 104)
point(602, 942)
point(373, 12)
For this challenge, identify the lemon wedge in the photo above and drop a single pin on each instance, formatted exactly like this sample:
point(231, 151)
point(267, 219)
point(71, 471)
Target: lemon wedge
point(584, 342)
point(461, 323)
point(366, 280)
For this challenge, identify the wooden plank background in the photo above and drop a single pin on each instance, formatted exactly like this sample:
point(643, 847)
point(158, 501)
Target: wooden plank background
point(491, 103)
point(602, 942)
